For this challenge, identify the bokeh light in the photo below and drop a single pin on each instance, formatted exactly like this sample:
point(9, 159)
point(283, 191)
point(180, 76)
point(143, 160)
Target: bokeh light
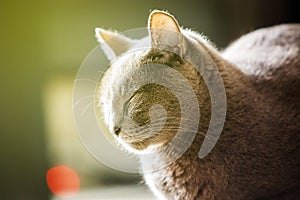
point(63, 181)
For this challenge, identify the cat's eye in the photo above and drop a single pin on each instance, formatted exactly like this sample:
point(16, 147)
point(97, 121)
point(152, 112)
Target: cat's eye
point(179, 62)
point(159, 56)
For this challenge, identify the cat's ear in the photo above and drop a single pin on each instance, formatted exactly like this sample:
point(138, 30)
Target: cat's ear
point(113, 44)
point(164, 29)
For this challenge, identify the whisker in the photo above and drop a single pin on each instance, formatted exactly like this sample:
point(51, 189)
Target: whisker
point(177, 126)
point(85, 108)
point(81, 99)
point(86, 79)
point(210, 137)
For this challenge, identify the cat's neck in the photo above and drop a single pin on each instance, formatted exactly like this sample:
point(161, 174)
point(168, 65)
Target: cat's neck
point(227, 70)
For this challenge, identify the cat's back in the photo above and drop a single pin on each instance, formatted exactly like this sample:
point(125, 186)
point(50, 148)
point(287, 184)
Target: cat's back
point(270, 56)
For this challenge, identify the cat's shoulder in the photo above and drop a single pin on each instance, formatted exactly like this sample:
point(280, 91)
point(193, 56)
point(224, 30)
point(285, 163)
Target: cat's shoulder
point(272, 35)
point(285, 36)
point(271, 53)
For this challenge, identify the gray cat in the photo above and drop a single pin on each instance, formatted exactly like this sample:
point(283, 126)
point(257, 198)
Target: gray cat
point(257, 155)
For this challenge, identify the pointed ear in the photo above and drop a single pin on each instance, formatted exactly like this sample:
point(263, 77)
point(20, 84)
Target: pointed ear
point(112, 43)
point(164, 29)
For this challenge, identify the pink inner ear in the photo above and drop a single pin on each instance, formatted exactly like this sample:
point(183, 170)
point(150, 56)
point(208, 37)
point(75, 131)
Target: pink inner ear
point(105, 35)
point(160, 20)
point(112, 43)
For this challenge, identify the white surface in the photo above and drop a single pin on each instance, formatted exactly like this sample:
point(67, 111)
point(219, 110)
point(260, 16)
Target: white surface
point(112, 193)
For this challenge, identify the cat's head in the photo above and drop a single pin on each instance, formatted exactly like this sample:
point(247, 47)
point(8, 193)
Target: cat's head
point(128, 104)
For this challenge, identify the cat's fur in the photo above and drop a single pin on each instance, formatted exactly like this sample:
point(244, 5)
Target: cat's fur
point(258, 154)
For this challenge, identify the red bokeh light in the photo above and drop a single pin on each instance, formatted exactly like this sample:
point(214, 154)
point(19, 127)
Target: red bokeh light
point(62, 180)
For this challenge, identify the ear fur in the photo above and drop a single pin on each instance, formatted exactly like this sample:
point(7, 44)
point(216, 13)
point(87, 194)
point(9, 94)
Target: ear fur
point(163, 20)
point(112, 43)
point(164, 29)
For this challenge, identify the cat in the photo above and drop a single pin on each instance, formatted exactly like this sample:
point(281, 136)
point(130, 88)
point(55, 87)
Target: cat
point(257, 155)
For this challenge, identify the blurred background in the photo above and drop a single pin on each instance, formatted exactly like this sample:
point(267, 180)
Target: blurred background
point(43, 43)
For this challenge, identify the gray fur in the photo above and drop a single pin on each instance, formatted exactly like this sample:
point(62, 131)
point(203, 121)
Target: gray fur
point(257, 155)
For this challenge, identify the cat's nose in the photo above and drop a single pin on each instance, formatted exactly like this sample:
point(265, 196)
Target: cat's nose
point(117, 130)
